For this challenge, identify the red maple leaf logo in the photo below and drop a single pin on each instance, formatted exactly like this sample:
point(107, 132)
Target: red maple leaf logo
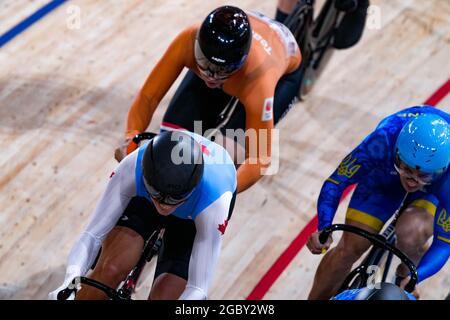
point(268, 105)
point(222, 227)
point(205, 150)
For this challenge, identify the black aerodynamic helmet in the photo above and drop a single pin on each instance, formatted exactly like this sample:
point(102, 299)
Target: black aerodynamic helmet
point(223, 40)
point(172, 166)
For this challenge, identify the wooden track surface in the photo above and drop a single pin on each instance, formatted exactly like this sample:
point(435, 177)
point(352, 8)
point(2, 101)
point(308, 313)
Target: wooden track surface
point(64, 96)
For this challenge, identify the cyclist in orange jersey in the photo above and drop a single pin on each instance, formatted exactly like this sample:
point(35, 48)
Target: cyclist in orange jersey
point(231, 54)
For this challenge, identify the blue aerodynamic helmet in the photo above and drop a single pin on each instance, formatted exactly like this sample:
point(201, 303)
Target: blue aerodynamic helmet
point(424, 143)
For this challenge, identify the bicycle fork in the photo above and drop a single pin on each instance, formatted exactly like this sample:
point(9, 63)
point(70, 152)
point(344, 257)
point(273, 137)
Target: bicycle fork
point(149, 251)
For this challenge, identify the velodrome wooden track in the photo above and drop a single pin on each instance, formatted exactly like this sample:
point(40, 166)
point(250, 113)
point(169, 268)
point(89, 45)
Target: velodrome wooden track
point(64, 95)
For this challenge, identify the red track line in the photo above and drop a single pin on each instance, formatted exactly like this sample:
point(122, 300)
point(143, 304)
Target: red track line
point(439, 94)
point(283, 261)
point(300, 240)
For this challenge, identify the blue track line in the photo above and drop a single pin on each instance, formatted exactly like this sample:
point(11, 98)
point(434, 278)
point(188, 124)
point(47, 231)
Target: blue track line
point(26, 23)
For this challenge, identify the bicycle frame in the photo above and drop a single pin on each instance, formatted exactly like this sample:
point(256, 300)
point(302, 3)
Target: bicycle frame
point(150, 250)
point(224, 117)
point(322, 34)
point(359, 276)
point(314, 37)
point(375, 255)
point(299, 22)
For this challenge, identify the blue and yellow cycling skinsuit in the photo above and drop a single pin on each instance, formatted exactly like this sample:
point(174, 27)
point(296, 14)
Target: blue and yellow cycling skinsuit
point(379, 192)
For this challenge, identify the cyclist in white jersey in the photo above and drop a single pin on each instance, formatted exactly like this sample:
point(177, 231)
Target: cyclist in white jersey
point(179, 178)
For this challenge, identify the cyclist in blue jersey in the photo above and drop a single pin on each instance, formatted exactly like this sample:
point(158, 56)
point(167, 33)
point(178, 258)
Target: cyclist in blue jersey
point(407, 154)
point(179, 179)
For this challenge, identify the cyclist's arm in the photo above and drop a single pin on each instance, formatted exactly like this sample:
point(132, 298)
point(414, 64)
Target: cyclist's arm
point(352, 169)
point(206, 248)
point(439, 251)
point(259, 124)
point(158, 83)
point(120, 189)
point(434, 259)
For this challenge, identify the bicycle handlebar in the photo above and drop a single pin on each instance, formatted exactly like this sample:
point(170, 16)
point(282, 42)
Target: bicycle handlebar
point(377, 240)
point(110, 292)
point(65, 294)
point(143, 136)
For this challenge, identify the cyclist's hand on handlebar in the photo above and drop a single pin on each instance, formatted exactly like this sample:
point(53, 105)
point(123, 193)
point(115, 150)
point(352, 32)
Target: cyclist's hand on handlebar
point(415, 293)
point(124, 149)
point(121, 151)
point(315, 246)
point(54, 294)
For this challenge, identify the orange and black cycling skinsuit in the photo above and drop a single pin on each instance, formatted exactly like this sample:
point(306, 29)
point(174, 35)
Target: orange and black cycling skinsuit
point(266, 86)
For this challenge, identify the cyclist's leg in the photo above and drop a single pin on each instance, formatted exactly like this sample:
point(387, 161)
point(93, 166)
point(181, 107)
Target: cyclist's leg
point(352, 25)
point(346, 5)
point(121, 251)
point(122, 248)
point(368, 209)
point(172, 269)
point(286, 93)
point(415, 227)
point(284, 8)
point(194, 101)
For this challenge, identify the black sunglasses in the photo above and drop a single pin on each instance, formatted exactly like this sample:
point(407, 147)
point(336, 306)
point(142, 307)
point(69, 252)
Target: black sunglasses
point(171, 200)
